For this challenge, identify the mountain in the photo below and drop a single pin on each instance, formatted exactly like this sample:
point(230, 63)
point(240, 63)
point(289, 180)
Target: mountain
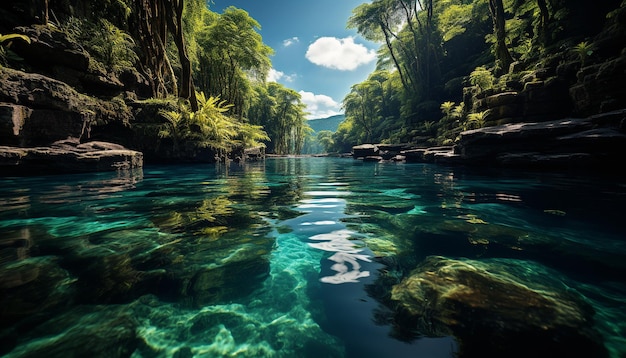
point(326, 124)
point(311, 144)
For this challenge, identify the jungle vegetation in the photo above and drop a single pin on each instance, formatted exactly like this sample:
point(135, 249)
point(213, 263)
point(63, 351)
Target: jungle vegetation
point(217, 86)
point(432, 49)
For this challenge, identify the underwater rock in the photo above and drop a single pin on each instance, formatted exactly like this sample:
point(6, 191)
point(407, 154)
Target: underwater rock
point(105, 276)
point(85, 331)
point(226, 282)
point(493, 312)
point(32, 286)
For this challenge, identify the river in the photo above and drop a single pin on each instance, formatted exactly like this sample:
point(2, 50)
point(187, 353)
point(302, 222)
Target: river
point(288, 257)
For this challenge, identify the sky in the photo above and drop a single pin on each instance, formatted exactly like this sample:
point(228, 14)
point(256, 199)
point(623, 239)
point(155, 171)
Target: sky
point(314, 53)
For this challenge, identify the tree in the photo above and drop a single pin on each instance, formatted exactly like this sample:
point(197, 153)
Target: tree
point(325, 138)
point(174, 16)
point(154, 20)
point(233, 55)
point(503, 56)
point(376, 21)
point(280, 111)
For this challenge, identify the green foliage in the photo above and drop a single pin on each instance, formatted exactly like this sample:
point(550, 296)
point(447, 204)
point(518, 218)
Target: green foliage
point(280, 112)
point(454, 19)
point(325, 138)
point(482, 78)
point(231, 57)
point(447, 108)
point(209, 126)
point(475, 120)
point(459, 110)
point(9, 37)
point(253, 135)
point(111, 48)
point(6, 41)
point(583, 50)
point(525, 50)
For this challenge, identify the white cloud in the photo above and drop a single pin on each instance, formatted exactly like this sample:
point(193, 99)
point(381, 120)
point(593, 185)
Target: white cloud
point(339, 54)
point(291, 41)
point(319, 105)
point(275, 75)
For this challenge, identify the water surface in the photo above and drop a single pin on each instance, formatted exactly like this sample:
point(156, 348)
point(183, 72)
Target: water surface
point(291, 257)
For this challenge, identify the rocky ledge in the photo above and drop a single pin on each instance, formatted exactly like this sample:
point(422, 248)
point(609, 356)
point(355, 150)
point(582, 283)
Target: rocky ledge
point(595, 142)
point(68, 156)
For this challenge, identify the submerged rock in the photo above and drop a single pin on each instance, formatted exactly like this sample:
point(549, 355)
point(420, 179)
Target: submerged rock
point(32, 286)
point(496, 308)
point(85, 331)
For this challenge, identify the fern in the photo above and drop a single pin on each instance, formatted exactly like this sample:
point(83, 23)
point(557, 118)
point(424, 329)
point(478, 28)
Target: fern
point(482, 78)
point(583, 50)
point(476, 120)
point(459, 110)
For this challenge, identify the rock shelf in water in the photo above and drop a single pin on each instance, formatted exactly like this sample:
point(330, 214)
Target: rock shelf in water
point(68, 156)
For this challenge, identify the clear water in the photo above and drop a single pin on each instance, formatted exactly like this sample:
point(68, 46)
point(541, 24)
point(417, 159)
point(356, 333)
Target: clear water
point(283, 258)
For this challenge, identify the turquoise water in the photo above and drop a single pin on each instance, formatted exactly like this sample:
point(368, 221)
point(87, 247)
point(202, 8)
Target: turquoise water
point(291, 257)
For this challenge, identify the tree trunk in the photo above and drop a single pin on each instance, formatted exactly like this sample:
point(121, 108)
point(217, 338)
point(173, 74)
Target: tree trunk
point(154, 20)
point(503, 57)
point(174, 15)
point(544, 19)
point(45, 12)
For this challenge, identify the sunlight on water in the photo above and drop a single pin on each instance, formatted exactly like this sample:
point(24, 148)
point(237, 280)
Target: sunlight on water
point(299, 258)
point(345, 255)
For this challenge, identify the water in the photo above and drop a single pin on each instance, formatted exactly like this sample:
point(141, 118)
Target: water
point(292, 257)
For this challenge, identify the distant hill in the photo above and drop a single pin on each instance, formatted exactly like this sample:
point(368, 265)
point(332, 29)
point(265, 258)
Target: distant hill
point(326, 124)
point(311, 145)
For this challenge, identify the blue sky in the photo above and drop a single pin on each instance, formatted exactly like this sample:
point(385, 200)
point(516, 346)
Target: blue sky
point(314, 53)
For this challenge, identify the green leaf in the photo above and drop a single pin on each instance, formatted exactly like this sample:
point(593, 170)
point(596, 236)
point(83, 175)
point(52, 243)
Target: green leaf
point(9, 37)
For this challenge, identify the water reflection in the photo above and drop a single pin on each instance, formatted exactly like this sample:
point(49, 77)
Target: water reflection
point(221, 261)
point(326, 207)
point(346, 256)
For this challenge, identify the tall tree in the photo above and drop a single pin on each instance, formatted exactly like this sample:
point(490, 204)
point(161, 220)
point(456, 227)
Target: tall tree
point(174, 17)
point(233, 54)
point(377, 21)
point(503, 56)
point(280, 111)
point(154, 20)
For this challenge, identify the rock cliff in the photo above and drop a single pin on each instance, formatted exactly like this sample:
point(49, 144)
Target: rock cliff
point(563, 112)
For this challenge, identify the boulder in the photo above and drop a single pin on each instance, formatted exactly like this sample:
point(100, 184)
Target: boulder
point(31, 286)
point(496, 307)
point(37, 91)
point(84, 331)
point(570, 143)
point(68, 156)
point(414, 155)
point(365, 150)
point(50, 47)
